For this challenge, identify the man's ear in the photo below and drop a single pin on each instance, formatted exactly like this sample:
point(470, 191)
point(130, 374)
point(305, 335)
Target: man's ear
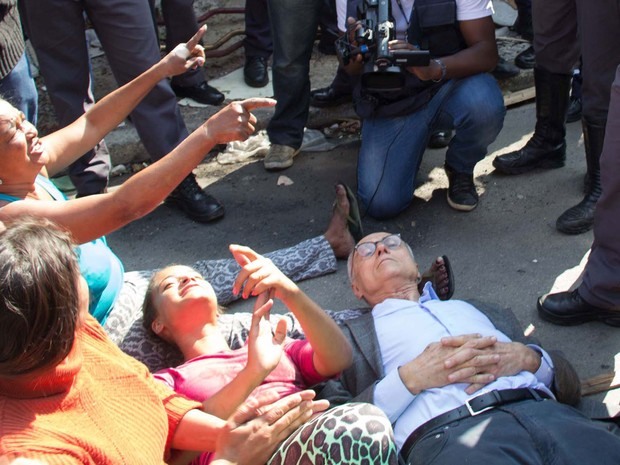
point(357, 291)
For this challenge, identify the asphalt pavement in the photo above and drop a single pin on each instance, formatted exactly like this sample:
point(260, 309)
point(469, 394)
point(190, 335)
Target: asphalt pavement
point(507, 251)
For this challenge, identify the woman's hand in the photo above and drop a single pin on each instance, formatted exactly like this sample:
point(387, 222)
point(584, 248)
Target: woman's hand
point(258, 275)
point(235, 121)
point(256, 429)
point(264, 349)
point(183, 57)
point(332, 351)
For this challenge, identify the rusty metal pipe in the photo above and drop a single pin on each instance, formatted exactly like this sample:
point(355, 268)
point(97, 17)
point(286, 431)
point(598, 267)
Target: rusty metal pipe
point(216, 11)
point(210, 49)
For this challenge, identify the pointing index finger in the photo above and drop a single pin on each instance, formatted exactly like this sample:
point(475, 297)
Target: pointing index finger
point(191, 43)
point(243, 254)
point(252, 103)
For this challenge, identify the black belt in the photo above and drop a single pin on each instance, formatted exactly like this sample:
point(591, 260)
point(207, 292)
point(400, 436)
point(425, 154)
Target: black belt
point(472, 407)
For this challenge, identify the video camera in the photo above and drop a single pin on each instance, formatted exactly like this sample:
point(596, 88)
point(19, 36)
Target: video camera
point(383, 69)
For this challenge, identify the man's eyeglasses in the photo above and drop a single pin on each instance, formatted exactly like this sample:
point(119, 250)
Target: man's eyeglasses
point(366, 249)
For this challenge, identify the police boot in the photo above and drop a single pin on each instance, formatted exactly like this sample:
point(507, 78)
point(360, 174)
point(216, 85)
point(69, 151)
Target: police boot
point(547, 147)
point(580, 218)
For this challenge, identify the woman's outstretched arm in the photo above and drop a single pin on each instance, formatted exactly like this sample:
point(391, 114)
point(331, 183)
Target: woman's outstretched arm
point(88, 218)
point(332, 351)
point(71, 142)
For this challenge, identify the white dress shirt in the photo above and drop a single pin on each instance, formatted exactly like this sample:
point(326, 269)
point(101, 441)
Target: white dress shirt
point(405, 328)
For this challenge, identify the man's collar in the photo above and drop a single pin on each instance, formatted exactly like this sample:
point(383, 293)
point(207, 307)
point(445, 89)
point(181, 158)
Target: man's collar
point(428, 293)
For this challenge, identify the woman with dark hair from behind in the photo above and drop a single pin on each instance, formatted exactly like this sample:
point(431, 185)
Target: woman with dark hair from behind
point(68, 395)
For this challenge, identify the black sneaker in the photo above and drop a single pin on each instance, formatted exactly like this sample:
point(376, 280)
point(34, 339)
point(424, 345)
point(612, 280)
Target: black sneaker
point(195, 202)
point(201, 93)
point(462, 195)
point(440, 139)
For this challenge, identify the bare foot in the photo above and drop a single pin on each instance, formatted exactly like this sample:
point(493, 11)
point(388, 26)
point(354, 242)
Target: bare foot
point(337, 233)
point(438, 275)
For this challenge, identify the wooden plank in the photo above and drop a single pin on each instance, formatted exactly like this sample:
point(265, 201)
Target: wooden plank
point(520, 96)
point(600, 383)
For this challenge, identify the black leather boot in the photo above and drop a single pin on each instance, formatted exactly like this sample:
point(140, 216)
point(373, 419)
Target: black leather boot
point(580, 218)
point(569, 309)
point(547, 147)
point(190, 198)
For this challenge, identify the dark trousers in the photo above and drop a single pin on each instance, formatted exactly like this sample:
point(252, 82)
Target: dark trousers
point(257, 41)
point(293, 27)
point(125, 29)
point(558, 45)
point(600, 285)
point(181, 24)
point(527, 432)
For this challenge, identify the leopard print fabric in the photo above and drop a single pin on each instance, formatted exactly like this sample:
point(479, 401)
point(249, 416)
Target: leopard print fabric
point(354, 433)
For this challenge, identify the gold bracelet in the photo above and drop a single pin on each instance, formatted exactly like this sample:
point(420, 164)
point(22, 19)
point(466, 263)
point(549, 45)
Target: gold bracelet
point(444, 70)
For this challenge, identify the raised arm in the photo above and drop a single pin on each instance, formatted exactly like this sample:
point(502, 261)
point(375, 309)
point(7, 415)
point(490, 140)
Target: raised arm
point(71, 142)
point(264, 353)
point(332, 351)
point(94, 216)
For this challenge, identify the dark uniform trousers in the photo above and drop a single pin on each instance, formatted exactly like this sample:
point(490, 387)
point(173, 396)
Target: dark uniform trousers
point(558, 44)
point(601, 281)
point(125, 29)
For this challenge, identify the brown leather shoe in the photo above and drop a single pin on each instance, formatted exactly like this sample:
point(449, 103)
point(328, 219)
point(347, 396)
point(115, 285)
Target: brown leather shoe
point(566, 383)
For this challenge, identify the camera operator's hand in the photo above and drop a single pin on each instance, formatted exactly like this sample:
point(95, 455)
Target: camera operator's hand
point(424, 73)
point(355, 63)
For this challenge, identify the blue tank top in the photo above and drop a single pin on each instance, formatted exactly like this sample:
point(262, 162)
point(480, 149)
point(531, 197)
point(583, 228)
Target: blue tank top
point(102, 269)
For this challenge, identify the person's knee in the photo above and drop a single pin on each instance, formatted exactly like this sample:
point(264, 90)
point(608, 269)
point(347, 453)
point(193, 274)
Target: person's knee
point(383, 207)
point(483, 115)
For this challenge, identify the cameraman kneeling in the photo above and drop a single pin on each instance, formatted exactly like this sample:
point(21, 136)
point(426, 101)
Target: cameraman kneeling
point(401, 105)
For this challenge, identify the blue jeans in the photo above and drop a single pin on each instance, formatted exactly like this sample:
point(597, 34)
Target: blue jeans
point(19, 90)
point(392, 148)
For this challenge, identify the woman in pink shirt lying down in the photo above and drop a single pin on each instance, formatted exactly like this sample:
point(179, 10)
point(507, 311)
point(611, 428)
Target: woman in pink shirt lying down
point(181, 308)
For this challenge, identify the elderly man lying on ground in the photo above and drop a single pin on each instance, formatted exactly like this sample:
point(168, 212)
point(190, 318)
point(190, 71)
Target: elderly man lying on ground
point(424, 362)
